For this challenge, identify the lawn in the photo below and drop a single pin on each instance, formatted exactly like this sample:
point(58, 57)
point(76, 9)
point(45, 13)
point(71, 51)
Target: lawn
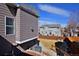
point(47, 43)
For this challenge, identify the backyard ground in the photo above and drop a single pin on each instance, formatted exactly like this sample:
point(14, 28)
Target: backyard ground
point(47, 45)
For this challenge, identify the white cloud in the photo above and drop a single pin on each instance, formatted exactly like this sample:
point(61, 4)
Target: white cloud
point(63, 25)
point(53, 10)
point(42, 22)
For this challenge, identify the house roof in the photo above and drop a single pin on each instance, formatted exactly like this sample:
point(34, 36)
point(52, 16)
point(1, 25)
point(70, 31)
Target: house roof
point(52, 25)
point(25, 7)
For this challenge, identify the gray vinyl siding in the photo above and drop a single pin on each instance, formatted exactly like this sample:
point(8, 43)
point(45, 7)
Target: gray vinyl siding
point(24, 22)
point(4, 11)
point(18, 25)
point(28, 22)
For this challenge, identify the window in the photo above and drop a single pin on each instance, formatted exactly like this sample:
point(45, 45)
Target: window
point(9, 24)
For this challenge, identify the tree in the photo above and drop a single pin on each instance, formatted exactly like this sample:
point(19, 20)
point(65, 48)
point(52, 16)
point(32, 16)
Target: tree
point(73, 22)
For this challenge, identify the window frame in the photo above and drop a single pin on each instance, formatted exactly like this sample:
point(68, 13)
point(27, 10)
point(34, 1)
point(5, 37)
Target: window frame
point(13, 25)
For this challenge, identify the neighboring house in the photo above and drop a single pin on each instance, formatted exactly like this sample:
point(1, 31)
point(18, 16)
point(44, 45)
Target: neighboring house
point(76, 31)
point(19, 25)
point(64, 32)
point(70, 32)
point(50, 29)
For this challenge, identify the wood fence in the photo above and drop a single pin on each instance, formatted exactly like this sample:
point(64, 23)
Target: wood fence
point(51, 37)
point(73, 38)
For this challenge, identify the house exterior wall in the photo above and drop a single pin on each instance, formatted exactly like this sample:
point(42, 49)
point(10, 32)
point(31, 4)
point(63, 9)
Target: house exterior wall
point(26, 24)
point(4, 11)
point(54, 31)
point(41, 31)
point(18, 25)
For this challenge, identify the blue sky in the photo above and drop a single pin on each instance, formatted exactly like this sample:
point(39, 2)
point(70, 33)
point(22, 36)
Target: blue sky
point(55, 13)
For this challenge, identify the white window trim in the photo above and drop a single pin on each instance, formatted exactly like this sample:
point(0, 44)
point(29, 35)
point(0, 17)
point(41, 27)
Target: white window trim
point(13, 26)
